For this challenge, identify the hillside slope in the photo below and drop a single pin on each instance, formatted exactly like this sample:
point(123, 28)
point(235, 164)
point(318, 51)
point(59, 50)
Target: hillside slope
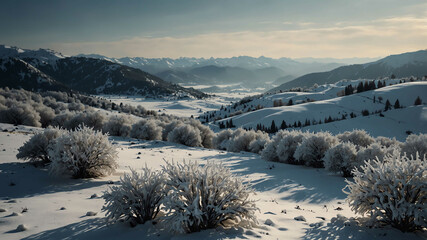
point(48, 70)
point(344, 110)
point(401, 65)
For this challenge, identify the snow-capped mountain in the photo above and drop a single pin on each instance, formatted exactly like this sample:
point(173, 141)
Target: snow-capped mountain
point(48, 70)
point(401, 65)
point(255, 71)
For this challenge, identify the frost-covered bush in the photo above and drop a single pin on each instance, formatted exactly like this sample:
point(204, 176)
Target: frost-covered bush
point(147, 130)
point(241, 139)
point(388, 142)
point(46, 115)
point(118, 126)
point(313, 148)
point(341, 158)
point(186, 135)
point(20, 114)
point(169, 127)
point(83, 153)
point(261, 139)
point(287, 146)
point(415, 143)
point(36, 149)
point(357, 137)
point(136, 198)
point(372, 152)
point(220, 141)
point(90, 119)
point(202, 197)
point(393, 191)
point(60, 119)
point(206, 133)
point(269, 152)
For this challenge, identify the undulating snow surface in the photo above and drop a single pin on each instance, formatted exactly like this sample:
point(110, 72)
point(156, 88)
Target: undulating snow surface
point(295, 202)
point(326, 104)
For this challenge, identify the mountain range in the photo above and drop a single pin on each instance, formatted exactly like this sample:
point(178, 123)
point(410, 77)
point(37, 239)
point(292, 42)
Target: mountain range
point(399, 65)
point(48, 70)
point(250, 71)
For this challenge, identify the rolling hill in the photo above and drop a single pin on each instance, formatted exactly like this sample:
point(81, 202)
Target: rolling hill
point(401, 65)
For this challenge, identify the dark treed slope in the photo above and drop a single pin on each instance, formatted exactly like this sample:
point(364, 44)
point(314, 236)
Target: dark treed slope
point(52, 71)
point(401, 65)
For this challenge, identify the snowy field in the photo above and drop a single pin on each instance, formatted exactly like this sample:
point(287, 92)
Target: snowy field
point(283, 192)
point(185, 107)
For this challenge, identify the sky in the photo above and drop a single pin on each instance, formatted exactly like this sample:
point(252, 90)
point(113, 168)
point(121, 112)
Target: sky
point(217, 28)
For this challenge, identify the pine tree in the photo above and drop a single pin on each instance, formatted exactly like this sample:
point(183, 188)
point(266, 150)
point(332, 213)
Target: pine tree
point(418, 101)
point(290, 103)
point(360, 87)
point(387, 105)
point(273, 127)
point(283, 125)
point(397, 104)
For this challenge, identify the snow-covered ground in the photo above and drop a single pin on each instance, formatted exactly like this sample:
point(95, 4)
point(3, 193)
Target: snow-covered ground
point(395, 122)
point(283, 192)
point(184, 107)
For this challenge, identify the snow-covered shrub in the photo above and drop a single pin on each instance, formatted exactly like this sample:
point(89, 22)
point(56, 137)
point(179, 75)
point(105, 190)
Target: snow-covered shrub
point(372, 152)
point(206, 133)
point(259, 143)
point(186, 135)
point(137, 197)
point(269, 152)
point(36, 149)
point(46, 114)
point(393, 191)
point(341, 158)
point(249, 141)
point(90, 119)
point(220, 141)
point(118, 126)
point(241, 139)
point(147, 130)
point(20, 114)
point(202, 197)
point(313, 148)
point(415, 143)
point(286, 147)
point(388, 142)
point(60, 119)
point(169, 128)
point(83, 153)
point(357, 137)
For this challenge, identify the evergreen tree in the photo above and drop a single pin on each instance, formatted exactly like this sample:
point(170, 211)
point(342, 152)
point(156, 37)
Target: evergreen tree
point(283, 125)
point(360, 87)
point(387, 105)
point(397, 104)
point(418, 101)
point(273, 127)
point(290, 103)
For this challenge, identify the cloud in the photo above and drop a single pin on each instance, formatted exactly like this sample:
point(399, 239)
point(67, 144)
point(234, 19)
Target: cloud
point(365, 39)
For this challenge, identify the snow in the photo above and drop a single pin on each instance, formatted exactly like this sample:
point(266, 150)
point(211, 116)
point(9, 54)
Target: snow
point(283, 192)
point(394, 123)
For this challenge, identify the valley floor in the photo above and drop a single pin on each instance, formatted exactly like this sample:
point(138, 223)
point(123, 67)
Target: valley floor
point(283, 193)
